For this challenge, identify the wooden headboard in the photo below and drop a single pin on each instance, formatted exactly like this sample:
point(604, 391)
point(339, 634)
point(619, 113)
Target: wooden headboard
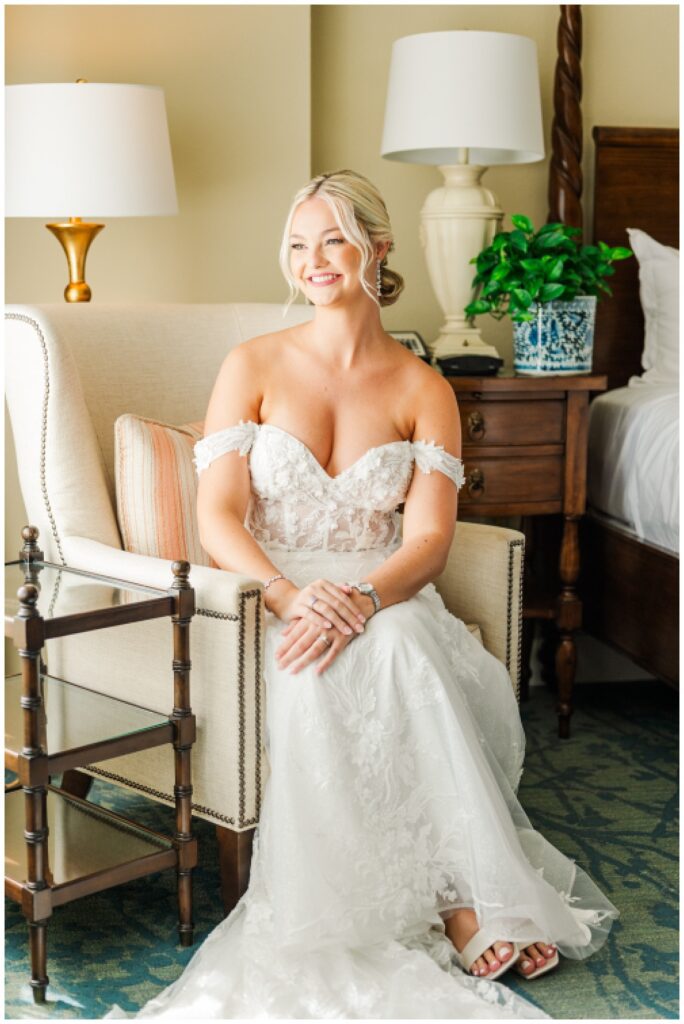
point(636, 185)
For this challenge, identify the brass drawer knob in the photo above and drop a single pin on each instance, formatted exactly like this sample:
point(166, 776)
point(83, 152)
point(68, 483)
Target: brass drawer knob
point(476, 483)
point(476, 426)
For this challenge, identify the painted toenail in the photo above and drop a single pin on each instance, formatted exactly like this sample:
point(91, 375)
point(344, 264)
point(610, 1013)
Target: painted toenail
point(494, 964)
point(525, 964)
point(540, 961)
point(505, 951)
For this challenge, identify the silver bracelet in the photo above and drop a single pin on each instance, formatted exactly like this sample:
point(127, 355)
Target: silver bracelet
point(268, 582)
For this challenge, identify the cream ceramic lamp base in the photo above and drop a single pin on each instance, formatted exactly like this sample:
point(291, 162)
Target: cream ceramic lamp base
point(458, 220)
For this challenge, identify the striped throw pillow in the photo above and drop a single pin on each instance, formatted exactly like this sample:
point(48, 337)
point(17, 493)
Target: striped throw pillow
point(156, 488)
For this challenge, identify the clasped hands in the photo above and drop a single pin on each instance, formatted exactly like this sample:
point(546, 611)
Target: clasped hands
point(322, 619)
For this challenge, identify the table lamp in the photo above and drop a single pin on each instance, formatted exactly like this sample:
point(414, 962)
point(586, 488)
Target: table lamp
point(461, 101)
point(94, 149)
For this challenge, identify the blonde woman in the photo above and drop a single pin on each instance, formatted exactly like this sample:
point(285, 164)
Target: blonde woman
point(394, 873)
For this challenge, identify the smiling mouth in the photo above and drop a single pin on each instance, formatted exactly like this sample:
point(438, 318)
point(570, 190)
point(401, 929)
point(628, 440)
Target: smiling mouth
point(323, 279)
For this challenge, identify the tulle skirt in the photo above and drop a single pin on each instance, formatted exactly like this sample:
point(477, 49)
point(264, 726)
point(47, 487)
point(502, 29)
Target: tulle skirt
point(391, 802)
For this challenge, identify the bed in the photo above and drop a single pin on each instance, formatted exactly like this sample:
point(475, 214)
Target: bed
point(629, 582)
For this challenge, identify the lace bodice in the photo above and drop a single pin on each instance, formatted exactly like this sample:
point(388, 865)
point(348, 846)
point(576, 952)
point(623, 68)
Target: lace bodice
point(296, 505)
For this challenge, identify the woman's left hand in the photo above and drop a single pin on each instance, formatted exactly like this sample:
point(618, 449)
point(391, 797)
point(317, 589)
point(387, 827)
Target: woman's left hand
point(303, 644)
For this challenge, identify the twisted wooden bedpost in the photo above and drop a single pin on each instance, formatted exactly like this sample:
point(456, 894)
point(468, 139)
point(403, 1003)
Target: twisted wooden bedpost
point(565, 205)
point(565, 172)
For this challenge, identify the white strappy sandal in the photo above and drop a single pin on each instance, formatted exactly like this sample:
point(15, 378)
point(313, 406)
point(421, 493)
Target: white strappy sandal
point(479, 944)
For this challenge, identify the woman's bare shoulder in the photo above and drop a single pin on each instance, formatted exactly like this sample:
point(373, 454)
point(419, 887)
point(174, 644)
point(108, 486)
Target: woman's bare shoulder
point(420, 377)
point(260, 350)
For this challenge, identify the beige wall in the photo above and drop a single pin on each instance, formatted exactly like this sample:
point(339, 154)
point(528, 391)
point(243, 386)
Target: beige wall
point(258, 98)
point(630, 67)
point(237, 84)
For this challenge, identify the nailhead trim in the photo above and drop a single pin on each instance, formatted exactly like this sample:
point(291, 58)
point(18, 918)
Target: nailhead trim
point(43, 424)
point(242, 822)
point(512, 545)
point(226, 616)
point(229, 616)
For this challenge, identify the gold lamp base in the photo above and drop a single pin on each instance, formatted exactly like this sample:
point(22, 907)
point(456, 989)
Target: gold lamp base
point(75, 238)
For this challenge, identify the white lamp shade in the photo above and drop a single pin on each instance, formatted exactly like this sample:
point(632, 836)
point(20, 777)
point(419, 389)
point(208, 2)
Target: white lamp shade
point(455, 90)
point(87, 150)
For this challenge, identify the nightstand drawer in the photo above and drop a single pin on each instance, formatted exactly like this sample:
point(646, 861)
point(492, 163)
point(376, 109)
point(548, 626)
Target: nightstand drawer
point(495, 481)
point(501, 422)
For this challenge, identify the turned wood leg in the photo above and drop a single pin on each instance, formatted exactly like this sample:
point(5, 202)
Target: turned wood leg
point(235, 856)
point(569, 619)
point(33, 776)
point(38, 951)
point(184, 722)
point(77, 783)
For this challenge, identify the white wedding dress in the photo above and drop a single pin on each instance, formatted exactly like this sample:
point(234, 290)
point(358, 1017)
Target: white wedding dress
point(391, 797)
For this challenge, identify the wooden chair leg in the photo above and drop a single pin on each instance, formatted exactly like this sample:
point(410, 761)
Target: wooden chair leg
point(77, 783)
point(235, 857)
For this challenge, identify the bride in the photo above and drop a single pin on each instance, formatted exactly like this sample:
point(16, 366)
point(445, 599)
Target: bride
point(394, 873)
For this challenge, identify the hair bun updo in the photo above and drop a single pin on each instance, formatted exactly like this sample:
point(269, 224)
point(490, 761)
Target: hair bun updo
point(362, 217)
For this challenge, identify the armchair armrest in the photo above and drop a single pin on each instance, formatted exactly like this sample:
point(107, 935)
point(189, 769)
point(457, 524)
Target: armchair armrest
point(482, 584)
point(134, 663)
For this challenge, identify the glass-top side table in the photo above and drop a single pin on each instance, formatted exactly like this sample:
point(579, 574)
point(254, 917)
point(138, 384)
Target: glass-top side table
point(54, 726)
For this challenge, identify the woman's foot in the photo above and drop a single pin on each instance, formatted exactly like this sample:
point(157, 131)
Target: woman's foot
point(536, 959)
point(461, 927)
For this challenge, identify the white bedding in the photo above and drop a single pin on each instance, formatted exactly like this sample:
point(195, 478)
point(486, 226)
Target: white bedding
point(634, 459)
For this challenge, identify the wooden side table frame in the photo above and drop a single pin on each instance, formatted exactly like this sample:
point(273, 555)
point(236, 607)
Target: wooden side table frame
point(525, 453)
point(37, 892)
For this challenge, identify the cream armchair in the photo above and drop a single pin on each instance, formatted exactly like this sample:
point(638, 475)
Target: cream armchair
point(70, 372)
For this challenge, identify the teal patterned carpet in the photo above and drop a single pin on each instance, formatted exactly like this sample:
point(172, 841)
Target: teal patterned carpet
point(607, 797)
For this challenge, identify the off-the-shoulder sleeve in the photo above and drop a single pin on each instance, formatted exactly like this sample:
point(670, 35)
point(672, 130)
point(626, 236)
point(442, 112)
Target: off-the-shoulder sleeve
point(429, 456)
point(238, 438)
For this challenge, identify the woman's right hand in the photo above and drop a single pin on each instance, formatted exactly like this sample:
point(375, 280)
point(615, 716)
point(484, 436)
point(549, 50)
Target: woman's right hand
point(325, 605)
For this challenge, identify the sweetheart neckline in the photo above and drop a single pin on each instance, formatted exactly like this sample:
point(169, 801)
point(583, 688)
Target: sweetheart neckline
point(323, 470)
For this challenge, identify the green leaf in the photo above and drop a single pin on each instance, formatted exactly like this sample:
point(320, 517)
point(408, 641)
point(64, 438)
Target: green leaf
point(550, 292)
point(555, 269)
point(522, 222)
point(500, 272)
point(550, 241)
point(620, 253)
point(499, 241)
point(552, 226)
point(518, 241)
point(605, 288)
point(604, 248)
point(534, 266)
point(490, 288)
point(477, 307)
point(522, 297)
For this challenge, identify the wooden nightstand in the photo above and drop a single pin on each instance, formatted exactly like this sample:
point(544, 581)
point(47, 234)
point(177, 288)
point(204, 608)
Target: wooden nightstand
point(525, 453)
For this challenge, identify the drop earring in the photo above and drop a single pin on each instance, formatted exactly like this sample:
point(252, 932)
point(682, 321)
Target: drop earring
point(378, 278)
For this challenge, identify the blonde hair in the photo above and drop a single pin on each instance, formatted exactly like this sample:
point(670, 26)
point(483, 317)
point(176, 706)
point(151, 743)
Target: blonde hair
point(363, 220)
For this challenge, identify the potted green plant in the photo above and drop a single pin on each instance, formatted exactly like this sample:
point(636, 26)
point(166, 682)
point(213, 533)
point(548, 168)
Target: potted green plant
point(548, 283)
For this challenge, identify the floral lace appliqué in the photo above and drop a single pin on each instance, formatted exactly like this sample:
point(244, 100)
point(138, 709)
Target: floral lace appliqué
point(297, 505)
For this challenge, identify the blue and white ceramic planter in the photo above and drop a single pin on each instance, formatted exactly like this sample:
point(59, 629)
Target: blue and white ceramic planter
point(560, 339)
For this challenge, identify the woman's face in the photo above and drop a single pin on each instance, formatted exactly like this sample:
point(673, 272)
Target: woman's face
point(324, 264)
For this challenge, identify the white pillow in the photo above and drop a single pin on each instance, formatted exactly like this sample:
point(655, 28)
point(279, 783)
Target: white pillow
point(659, 293)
